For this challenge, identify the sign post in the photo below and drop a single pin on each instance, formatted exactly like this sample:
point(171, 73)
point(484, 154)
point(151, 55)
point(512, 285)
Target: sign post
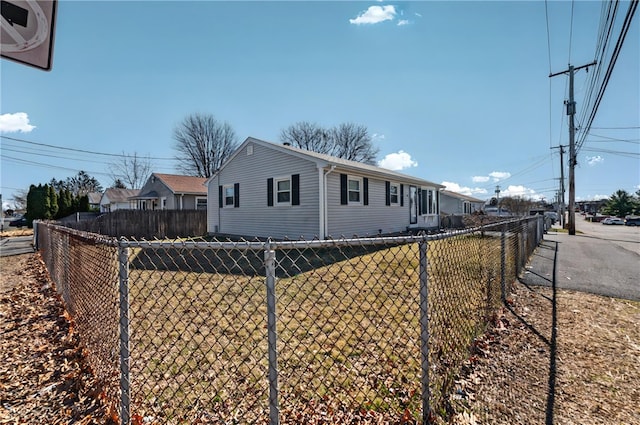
point(27, 31)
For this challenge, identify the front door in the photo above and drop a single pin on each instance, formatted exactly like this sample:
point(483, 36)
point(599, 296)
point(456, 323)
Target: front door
point(413, 205)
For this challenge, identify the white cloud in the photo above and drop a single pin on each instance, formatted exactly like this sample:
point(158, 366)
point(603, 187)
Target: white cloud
point(18, 122)
point(499, 175)
point(418, 15)
point(397, 161)
point(403, 22)
point(480, 179)
point(455, 187)
point(375, 15)
point(376, 137)
point(593, 160)
point(521, 191)
point(592, 197)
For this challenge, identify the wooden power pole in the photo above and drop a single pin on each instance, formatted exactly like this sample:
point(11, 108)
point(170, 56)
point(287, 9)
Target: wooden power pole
point(571, 111)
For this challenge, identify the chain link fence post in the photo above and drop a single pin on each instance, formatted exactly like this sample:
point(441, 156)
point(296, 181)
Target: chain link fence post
point(424, 330)
point(125, 389)
point(270, 272)
point(503, 265)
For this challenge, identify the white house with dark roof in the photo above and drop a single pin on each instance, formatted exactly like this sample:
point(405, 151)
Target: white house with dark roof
point(279, 191)
point(172, 192)
point(118, 199)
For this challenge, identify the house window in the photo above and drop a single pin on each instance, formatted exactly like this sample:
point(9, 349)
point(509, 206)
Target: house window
point(429, 202)
point(394, 192)
point(201, 203)
point(163, 202)
point(467, 207)
point(229, 195)
point(354, 186)
point(283, 191)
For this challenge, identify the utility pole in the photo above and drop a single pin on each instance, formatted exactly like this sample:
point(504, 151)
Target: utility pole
point(498, 199)
point(571, 111)
point(561, 192)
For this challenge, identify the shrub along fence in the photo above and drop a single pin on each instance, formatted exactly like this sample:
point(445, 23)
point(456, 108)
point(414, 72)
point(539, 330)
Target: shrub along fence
point(147, 224)
point(370, 330)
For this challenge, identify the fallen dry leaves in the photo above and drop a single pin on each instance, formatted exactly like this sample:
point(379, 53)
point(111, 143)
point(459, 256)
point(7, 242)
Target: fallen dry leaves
point(513, 377)
point(43, 375)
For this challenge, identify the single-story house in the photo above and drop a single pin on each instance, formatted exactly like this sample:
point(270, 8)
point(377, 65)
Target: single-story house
point(172, 192)
point(94, 200)
point(279, 191)
point(118, 199)
point(453, 203)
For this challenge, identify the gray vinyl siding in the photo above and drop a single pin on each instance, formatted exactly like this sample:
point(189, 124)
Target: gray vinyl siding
point(450, 205)
point(253, 217)
point(365, 220)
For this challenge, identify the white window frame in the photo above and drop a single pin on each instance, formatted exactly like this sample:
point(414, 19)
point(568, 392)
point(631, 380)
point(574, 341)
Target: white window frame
point(201, 198)
point(276, 191)
point(225, 197)
point(430, 195)
point(397, 194)
point(359, 191)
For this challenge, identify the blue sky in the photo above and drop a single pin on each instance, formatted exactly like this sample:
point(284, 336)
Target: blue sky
point(453, 92)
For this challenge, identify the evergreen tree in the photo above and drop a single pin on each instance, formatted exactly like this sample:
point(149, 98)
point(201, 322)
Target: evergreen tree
point(83, 204)
point(53, 202)
point(619, 204)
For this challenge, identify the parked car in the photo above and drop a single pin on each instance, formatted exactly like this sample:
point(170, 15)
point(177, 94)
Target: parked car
point(21, 222)
point(613, 220)
point(632, 221)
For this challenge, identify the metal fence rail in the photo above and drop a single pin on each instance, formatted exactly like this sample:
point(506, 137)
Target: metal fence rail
point(341, 331)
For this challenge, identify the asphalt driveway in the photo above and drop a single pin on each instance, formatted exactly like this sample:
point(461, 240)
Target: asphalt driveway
point(603, 260)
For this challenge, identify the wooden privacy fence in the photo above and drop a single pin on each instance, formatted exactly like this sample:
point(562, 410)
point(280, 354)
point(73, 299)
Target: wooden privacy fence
point(146, 224)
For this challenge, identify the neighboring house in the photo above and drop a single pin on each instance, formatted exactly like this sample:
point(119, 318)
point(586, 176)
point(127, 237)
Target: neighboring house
point(453, 203)
point(118, 199)
point(172, 192)
point(271, 190)
point(94, 200)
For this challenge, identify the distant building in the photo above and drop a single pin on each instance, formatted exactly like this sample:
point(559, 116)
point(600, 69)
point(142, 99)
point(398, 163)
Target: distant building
point(118, 199)
point(172, 192)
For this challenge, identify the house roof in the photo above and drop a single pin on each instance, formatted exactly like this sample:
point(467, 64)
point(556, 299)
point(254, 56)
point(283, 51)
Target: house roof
point(183, 184)
point(324, 160)
point(461, 196)
point(94, 198)
point(120, 195)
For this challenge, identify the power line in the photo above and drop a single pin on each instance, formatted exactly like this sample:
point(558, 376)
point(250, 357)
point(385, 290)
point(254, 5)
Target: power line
point(80, 150)
point(614, 128)
point(614, 57)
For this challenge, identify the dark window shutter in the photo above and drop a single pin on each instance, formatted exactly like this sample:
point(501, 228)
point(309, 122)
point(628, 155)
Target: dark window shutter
point(344, 200)
point(419, 200)
point(365, 190)
point(295, 189)
point(437, 211)
point(387, 197)
point(269, 192)
point(236, 195)
point(220, 197)
point(402, 195)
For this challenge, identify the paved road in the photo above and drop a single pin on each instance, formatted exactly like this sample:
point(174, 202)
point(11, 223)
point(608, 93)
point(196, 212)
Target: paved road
point(602, 259)
point(15, 246)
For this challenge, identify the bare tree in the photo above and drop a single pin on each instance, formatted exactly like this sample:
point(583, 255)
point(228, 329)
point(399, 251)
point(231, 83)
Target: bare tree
point(347, 140)
point(132, 170)
point(352, 141)
point(309, 136)
point(203, 144)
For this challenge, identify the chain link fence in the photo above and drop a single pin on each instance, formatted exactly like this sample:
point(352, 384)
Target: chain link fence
point(370, 330)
